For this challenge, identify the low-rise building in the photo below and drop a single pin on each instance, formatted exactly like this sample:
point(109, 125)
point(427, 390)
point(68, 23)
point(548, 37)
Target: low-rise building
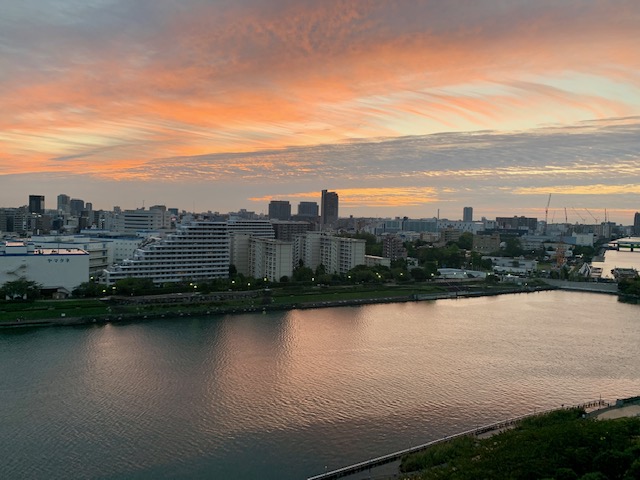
point(53, 268)
point(486, 243)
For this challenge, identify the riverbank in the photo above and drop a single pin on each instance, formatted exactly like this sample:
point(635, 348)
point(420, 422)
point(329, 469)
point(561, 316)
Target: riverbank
point(389, 466)
point(152, 311)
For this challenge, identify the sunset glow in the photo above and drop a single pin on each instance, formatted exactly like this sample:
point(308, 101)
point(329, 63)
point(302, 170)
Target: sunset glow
point(228, 104)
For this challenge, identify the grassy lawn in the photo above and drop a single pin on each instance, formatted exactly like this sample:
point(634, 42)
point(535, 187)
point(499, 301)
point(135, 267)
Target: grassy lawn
point(280, 297)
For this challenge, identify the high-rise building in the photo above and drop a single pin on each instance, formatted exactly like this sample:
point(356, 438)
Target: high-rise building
point(279, 210)
point(36, 204)
point(287, 230)
point(76, 206)
point(308, 209)
point(467, 214)
point(329, 207)
point(63, 203)
point(636, 224)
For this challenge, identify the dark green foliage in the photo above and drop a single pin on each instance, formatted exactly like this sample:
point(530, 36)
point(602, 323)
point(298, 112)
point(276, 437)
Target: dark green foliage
point(513, 248)
point(465, 241)
point(565, 474)
point(134, 286)
point(89, 290)
point(629, 287)
point(302, 274)
point(418, 274)
point(594, 476)
point(561, 445)
point(20, 290)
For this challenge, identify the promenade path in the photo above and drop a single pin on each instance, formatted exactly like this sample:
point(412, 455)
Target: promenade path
point(593, 287)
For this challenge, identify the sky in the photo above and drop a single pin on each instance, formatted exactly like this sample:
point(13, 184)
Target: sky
point(405, 108)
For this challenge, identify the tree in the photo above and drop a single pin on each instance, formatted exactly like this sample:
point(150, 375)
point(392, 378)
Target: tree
point(629, 286)
point(134, 286)
point(465, 241)
point(21, 289)
point(88, 290)
point(418, 274)
point(302, 274)
point(320, 270)
point(233, 271)
point(513, 248)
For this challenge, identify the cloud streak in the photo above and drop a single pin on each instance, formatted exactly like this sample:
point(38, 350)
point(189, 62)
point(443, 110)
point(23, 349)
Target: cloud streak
point(276, 91)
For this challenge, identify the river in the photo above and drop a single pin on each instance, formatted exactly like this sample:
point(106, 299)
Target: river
point(286, 395)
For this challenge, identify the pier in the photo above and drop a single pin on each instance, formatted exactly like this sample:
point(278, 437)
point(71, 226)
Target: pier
point(395, 456)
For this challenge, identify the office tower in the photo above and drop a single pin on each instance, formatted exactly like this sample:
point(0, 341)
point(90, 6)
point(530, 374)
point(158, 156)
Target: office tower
point(36, 204)
point(467, 214)
point(76, 206)
point(308, 209)
point(279, 210)
point(636, 224)
point(63, 203)
point(329, 207)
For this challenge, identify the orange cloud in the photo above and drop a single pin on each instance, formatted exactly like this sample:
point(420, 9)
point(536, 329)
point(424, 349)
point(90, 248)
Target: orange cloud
point(596, 189)
point(373, 197)
point(207, 79)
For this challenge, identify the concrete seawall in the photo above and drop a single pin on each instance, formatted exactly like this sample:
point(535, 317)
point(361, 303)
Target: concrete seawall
point(476, 432)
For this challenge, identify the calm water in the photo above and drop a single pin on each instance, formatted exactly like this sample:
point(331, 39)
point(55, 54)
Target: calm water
point(281, 396)
point(622, 259)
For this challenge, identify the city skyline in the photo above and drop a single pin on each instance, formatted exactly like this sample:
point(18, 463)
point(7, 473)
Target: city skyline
point(401, 108)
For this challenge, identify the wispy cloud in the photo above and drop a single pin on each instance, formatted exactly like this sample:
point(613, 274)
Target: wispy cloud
point(284, 92)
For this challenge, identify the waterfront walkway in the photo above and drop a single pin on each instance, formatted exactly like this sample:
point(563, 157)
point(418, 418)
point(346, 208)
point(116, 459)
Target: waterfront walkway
point(396, 456)
point(609, 288)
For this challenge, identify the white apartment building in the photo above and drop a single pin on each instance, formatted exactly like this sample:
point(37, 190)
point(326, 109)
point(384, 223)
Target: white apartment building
point(196, 251)
point(50, 267)
point(270, 258)
point(132, 221)
point(306, 247)
point(240, 252)
point(339, 255)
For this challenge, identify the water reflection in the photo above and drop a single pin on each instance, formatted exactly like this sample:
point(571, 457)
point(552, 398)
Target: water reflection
point(282, 395)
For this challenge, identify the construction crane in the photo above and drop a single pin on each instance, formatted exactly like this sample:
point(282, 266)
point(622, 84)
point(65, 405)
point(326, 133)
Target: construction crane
point(596, 220)
point(578, 214)
point(546, 215)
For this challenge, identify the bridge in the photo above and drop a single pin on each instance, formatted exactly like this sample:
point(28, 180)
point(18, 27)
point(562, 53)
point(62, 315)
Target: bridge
point(625, 243)
point(392, 457)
